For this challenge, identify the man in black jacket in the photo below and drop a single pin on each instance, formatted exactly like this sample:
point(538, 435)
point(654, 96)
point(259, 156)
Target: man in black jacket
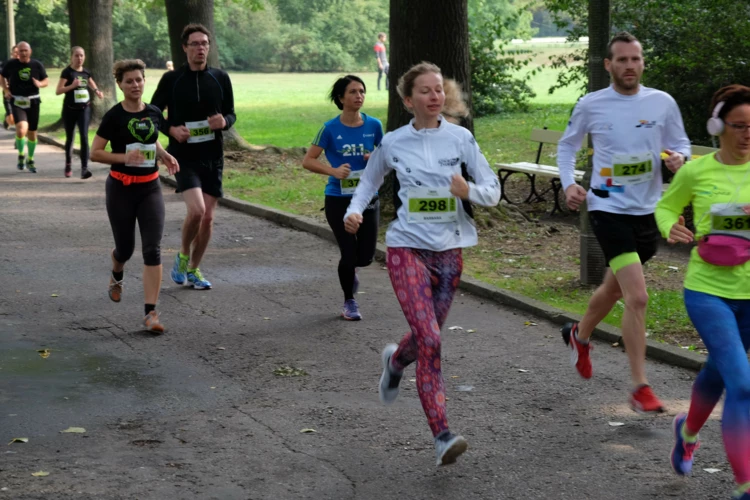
point(200, 105)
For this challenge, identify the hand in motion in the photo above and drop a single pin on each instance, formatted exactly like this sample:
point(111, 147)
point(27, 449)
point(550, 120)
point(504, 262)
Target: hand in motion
point(674, 161)
point(170, 162)
point(459, 187)
point(746, 209)
point(679, 233)
point(343, 171)
point(180, 133)
point(574, 196)
point(99, 93)
point(217, 122)
point(352, 223)
point(36, 82)
point(134, 157)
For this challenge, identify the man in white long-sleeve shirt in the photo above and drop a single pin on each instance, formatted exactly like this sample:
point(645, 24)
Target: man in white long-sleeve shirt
point(630, 126)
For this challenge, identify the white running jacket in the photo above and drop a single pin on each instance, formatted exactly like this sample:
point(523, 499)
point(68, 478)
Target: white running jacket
point(428, 158)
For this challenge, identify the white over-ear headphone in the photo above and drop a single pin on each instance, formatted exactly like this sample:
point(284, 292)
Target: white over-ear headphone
point(715, 125)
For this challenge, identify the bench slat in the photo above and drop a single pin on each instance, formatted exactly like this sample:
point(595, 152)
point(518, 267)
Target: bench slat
point(537, 169)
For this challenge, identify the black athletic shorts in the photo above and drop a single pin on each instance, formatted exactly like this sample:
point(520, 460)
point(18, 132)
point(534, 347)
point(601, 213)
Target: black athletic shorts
point(618, 234)
point(30, 114)
point(204, 174)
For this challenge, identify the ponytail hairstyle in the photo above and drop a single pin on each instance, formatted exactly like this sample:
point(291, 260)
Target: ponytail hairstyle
point(455, 106)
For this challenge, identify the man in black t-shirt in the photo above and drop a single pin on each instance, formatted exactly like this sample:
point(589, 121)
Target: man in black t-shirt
point(200, 105)
point(21, 79)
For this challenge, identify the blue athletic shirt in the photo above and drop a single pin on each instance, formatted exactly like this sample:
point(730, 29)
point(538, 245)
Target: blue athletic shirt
point(344, 144)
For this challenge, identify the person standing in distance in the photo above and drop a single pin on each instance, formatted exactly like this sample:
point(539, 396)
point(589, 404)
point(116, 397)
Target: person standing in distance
point(75, 82)
point(22, 79)
point(630, 126)
point(381, 57)
point(200, 105)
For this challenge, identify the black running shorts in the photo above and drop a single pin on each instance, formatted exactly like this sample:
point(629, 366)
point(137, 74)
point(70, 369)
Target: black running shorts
point(29, 115)
point(204, 174)
point(618, 234)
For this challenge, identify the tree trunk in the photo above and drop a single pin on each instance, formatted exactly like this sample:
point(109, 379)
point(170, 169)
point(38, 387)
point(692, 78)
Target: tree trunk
point(180, 13)
point(91, 28)
point(435, 31)
point(593, 263)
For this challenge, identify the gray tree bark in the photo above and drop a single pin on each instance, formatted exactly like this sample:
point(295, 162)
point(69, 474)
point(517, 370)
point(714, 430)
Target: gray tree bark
point(180, 13)
point(593, 263)
point(435, 31)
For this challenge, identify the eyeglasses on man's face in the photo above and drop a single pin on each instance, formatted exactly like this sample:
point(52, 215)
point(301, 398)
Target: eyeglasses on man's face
point(203, 44)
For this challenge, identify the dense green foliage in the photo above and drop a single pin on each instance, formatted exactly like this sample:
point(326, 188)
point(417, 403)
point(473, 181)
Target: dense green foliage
point(691, 48)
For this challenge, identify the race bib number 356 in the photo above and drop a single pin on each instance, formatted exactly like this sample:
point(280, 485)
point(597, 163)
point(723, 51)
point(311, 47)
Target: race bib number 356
point(432, 205)
point(199, 132)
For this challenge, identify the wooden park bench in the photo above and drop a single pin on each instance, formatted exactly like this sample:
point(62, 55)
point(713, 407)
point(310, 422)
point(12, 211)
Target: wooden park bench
point(551, 172)
point(532, 170)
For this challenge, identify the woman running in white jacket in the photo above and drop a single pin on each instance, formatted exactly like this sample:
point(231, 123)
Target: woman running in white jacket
point(432, 159)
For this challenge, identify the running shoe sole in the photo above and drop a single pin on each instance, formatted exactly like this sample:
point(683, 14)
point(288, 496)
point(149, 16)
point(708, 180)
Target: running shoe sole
point(457, 449)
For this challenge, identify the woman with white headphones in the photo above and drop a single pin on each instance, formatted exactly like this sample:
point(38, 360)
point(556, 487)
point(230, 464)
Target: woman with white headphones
point(717, 282)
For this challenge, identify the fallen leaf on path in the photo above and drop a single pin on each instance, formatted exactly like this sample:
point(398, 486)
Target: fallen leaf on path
point(465, 388)
point(712, 471)
point(308, 431)
point(18, 440)
point(453, 328)
point(471, 331)
point(267, 319)
point(75, 430)
point(523, 371)
point(41, 473)
point(412, 380)
point(221, 348)
point(616, 424)
point(289, 371)
point(674, 268)
point(454, 376)
point(615, 344)
point(44, 353)
point(529, 323)
point(54, 295)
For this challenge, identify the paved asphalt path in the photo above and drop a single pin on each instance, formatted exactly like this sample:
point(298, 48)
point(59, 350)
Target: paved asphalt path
point(198, 412)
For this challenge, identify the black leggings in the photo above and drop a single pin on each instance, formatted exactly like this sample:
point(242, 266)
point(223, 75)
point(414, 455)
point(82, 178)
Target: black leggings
point(357, 250)
point(71, 118)
point(128, 204)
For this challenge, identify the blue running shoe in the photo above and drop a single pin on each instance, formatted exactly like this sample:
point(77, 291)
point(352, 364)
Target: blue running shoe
point(196, 280)
point(448, 447)
point(351, 311)
point(682, 453)
point(739, 495)
point(179, 269)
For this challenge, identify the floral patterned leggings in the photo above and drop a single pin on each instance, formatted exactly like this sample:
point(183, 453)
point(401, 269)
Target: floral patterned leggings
point(425, 282)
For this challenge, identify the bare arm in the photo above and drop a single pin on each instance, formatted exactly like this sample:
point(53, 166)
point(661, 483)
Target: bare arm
point(313, 164)
point(95, 88)
point(99, 155)
point(62, 88)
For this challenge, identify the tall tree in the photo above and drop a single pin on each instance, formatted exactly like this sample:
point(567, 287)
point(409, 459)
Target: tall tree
point(91, 28)
point(181, 13)
point(428, 30)
point(592, 258)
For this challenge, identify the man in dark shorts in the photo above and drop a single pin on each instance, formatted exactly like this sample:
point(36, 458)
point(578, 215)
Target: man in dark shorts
point(200, 105)
point(21, 80)
point(631, 126)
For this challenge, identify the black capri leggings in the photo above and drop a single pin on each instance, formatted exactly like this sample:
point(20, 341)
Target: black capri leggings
point(128, 204)
point(71, 118)
point(357, 250)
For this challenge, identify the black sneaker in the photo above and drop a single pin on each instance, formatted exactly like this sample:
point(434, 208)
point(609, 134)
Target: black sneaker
point(30, 166)
point(68, 170)
point(21, 162)
point(85, 173)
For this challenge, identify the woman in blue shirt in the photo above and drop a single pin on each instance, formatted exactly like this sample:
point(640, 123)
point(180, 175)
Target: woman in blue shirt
point(347, 141)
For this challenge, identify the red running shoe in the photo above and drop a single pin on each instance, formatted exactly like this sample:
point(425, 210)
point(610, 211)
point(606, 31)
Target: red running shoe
point(579, 356)
point(643, 400)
